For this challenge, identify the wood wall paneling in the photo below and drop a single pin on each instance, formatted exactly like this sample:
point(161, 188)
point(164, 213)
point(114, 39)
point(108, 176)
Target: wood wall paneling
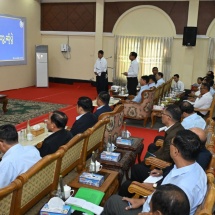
point(68, 17)
point(205, 16)
point(178, 12)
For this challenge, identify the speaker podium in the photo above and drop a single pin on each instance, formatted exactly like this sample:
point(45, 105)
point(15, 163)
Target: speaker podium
point(189, 36)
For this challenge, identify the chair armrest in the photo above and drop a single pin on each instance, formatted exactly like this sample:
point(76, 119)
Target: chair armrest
point(159, 142)
point(141, 189)
point(156, 162)
point(131, 97)
point(39, 145)
point(197, 109)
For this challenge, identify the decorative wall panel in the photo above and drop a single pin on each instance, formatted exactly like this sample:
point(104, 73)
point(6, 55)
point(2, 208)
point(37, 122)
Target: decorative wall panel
point(205, 16)
point(68, 17)
point(178, 12)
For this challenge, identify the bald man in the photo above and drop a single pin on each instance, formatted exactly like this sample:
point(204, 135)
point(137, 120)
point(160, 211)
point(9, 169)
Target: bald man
point(204, 156)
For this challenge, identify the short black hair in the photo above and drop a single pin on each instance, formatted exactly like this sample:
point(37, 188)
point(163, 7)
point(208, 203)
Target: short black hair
point(200, 78)
point(8, 133)
point(174, 111)
point(187, 107)
point(188, 144)
point(176, 75)
point(169, 199)
point(86, 103)
point(155, 68)
point(101, 52)
point(104, 97)
point(152, 77)
point(160, 74)
point(133, 54)
point(145, 78)
point(59, 118)
point(207, 86)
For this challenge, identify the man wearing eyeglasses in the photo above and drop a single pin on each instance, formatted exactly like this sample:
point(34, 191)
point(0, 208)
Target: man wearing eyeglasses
point(203, 101)
point(186, 174)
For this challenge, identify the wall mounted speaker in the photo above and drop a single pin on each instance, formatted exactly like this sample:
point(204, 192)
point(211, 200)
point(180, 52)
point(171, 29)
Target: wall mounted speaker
point(189, 36)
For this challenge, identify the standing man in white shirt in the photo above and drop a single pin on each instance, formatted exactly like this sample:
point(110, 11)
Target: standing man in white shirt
point(100, 70)
point(132, 74)
point(177, 84)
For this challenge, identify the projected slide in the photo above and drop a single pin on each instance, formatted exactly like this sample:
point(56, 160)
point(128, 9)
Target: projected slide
point(12, 40)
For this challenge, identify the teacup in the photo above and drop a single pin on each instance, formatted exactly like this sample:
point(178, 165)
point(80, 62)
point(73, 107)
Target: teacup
point(98, 167)
point(113, 147)
point(67, 191)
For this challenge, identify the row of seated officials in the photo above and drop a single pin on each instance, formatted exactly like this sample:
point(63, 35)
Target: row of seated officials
point(188, 146)
point(17, 159)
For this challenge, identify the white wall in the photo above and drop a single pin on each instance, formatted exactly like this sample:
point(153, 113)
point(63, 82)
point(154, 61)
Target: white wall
point(12, 77)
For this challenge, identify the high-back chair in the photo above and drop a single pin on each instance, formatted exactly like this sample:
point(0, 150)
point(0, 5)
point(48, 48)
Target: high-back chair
point(140, 110)
point(114, 127)
point(158, 94)
point(96, 138)
point(38, 181)
point(8, 197)
point(74, 153)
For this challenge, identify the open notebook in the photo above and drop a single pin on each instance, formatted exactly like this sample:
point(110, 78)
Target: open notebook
point(87, 200)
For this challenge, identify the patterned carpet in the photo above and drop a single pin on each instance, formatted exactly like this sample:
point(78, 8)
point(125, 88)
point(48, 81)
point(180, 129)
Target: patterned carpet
point(22, 110)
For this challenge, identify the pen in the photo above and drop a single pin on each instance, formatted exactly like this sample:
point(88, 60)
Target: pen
point(129, 204)
point(151, 154)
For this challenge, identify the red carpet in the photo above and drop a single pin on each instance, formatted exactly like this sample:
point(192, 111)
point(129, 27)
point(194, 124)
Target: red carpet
point(69, 94)
point(147, 134)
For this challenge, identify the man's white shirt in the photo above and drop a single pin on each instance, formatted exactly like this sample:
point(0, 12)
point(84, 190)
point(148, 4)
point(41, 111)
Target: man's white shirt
point(160, 82)
point(100, 66)
point(178, 85)
point(133, 69)
point(204, 102)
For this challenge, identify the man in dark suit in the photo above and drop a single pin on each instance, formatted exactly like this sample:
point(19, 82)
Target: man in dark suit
point(103, 103)
point(85, 118)
point(171, 117)
point(56, 124)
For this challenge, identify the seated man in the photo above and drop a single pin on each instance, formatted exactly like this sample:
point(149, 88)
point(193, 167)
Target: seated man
point(177, 84)
point(203, 101)
point(190, 118)
point(154, 71)
point(56, 124)
point(152, 81)
point(203, 159)
point(17, 159)
point(159, 78)
point(85, 118)
point(186, 174)
point(170, 116)
point(144, 80)
point(102, 101)
point(163, 195)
